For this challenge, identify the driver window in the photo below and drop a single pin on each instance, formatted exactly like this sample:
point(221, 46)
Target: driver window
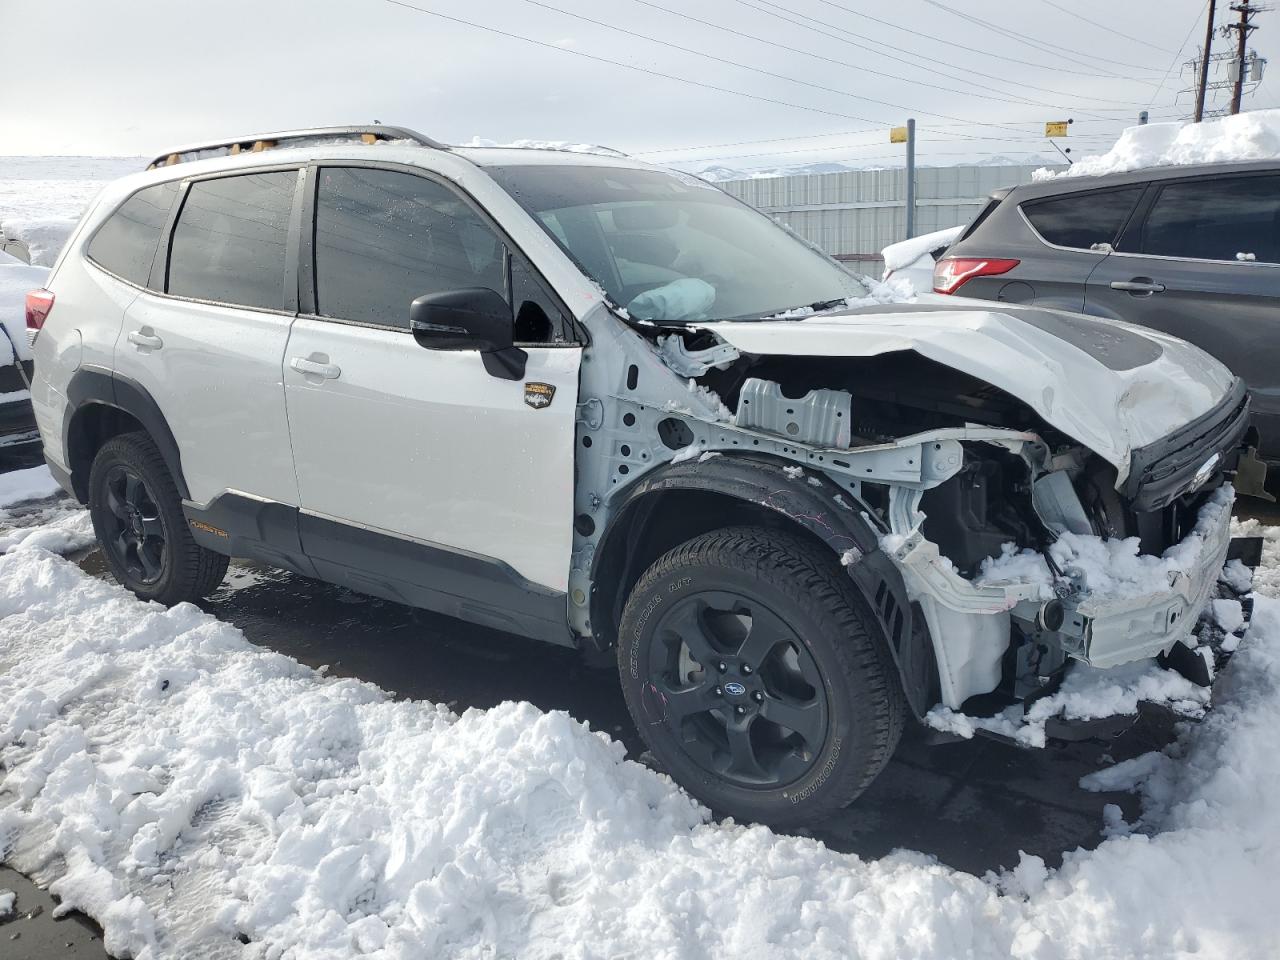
point(384, 238)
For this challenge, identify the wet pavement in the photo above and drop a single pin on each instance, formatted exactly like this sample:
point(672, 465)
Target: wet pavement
point(974, 805)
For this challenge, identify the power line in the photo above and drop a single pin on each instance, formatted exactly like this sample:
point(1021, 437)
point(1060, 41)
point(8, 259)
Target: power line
point(1109, 28)
point(627, 66)
point(865, 69)
point(1056, 67)
point(746, 66)
point(1029, 41)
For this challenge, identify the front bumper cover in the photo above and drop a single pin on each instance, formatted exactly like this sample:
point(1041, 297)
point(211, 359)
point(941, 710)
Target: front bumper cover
point(1107, 631)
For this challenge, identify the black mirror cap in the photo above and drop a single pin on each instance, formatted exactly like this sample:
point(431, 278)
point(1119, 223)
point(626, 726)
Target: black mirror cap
point(470, 318)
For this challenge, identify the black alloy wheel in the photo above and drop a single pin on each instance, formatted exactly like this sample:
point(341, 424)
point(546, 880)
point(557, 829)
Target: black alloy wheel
point(738, 691)
point(139, 520)
point(758, 677)
point(136, 534)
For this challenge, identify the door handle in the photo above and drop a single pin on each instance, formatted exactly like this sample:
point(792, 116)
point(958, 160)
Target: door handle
point(1138, 285)
point(148, 340)
point(315, 367)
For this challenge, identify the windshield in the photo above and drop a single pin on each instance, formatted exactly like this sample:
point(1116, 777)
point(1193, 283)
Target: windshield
point(669, 247)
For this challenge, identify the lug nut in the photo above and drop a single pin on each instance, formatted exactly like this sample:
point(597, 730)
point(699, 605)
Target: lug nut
point(723, 666)
point(746, 668)
point(758, 697)
point(719, 692)
point(740, 710)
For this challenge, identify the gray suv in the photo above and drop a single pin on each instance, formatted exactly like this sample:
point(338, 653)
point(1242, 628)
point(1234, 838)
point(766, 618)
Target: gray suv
point(1192, 250)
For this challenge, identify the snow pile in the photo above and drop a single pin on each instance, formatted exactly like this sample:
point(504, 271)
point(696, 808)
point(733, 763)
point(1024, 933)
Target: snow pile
point(28, 518)
point(8, 903)
point(1246, 136)
point(906, 252)
point(41, 198)
point(31, 484)
point(1110, 567)
point(1087, 693)
point(44, 238)
point(185, 787)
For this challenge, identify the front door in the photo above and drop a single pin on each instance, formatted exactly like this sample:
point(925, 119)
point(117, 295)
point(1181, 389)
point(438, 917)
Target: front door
point(416, 467)
point(1204, 265)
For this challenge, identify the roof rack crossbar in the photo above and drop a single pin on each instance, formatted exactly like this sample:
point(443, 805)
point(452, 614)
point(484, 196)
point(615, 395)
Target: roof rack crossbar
point(265, 141)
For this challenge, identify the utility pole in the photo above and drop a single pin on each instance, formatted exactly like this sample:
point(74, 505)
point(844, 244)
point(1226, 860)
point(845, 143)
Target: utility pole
point(1243, 29)
point(911, 179)
point(1203, 83)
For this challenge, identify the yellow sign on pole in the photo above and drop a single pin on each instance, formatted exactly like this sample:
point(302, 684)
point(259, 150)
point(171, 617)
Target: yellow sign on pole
point(898, 135)
point(1056, 128)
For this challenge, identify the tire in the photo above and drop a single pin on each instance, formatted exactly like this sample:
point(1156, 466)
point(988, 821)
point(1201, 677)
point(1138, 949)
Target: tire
point(744, 594)
point(138, 519)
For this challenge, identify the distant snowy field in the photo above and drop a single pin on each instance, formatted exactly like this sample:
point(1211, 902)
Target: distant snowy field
point(202, 797)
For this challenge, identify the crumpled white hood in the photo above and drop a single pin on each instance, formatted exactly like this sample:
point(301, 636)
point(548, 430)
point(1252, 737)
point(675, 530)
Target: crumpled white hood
point(1063, 366)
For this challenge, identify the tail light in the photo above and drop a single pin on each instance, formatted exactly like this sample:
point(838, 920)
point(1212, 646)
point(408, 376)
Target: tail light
point(950, 273)
point(39, 303)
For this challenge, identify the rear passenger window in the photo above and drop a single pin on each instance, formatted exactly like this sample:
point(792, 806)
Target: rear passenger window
point(384, 238)
point(1229, 219)
point(126, 242)
point(229, 243)
point(1082, 220)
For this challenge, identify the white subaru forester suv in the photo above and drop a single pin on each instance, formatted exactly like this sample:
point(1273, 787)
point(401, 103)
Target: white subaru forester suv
point(604, 404)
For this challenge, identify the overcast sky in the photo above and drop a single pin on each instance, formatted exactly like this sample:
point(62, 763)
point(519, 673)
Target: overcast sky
point(132, 77)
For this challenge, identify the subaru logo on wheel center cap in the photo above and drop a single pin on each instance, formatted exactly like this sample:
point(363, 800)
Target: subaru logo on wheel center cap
point(734, 689)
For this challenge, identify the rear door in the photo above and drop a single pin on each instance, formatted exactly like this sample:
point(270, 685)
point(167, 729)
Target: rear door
point(415, 465)
point(1202, 262)
point(209, 346)
point(1057, 241)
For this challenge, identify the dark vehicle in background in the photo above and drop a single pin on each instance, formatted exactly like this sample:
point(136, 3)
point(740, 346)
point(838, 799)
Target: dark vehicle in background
point(1190, 250)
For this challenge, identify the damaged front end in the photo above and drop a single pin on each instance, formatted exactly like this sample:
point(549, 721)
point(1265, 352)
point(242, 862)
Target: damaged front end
point(1023, 550)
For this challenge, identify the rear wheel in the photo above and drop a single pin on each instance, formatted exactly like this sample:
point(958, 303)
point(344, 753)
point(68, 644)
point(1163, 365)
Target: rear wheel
point(751, 674)
point(137, 516)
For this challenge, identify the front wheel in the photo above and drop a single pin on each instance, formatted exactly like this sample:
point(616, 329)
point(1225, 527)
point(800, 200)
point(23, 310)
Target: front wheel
point(137, 516)
point(751, 674)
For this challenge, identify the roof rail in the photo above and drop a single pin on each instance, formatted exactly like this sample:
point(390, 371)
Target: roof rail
point(257, 142)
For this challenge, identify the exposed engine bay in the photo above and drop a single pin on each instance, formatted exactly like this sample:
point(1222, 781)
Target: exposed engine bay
point(953, 473)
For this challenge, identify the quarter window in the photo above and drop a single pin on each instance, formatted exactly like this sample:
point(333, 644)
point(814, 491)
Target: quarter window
point(385, 238)
point(1083, 220)
point(1229, 219)
point(126, 242)
point(230, 240)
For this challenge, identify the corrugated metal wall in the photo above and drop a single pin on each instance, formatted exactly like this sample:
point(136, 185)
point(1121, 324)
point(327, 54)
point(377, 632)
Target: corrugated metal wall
point(855, 215)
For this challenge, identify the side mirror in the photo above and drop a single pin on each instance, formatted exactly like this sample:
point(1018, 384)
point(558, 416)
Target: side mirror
point(472, 318)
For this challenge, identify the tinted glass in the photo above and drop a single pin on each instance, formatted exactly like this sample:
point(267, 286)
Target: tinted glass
point(229, 242)
point(383, 239)
point(1229, 219)
point(1083, 219)
point(126, 243)
point(670, 247)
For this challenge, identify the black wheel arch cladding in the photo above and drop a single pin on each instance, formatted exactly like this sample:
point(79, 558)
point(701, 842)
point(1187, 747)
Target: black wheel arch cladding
point(760, 485)
point(91, 387)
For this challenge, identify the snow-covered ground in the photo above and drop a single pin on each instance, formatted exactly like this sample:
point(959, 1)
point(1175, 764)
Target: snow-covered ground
point(42, 197)
point(192, 791)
